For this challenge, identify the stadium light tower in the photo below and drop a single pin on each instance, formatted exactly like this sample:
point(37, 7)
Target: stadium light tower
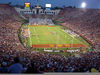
point(83, 5)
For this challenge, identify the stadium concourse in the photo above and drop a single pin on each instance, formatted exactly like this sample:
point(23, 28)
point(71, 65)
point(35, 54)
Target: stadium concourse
point(35, 62)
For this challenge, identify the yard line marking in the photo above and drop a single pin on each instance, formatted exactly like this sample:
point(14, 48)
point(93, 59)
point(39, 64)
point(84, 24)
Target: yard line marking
point(46, 37)
point(35, 32)
point(59, 37)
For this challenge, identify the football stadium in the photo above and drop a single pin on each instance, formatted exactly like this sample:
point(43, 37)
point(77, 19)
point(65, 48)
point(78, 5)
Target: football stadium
point(49, 39)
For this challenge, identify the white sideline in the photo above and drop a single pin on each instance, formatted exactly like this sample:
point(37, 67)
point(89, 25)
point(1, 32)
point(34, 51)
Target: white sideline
point(59, 38)
point(30, 37)
point(35, 32)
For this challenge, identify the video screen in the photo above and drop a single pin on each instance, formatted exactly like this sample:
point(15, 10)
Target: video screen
point(48, 5)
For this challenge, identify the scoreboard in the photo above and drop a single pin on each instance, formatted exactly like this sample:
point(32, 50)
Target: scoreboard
point(48, 7)
point(27, 5)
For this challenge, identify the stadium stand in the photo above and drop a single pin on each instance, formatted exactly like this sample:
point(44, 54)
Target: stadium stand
point(87, 24)
point(39, 21)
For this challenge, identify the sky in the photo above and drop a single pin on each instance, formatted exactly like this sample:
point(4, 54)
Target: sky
point(94, 4)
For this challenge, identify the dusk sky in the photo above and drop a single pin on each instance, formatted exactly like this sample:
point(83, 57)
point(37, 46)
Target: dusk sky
point(94, 4)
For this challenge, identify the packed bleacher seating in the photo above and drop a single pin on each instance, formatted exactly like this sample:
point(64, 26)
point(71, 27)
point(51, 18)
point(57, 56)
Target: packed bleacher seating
point(39, 21)
point(9, 10)
point(87, 25)
point(36, 62)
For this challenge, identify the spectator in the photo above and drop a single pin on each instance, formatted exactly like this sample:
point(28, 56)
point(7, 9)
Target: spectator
point(3, 69)
point(41, 70)
point(31, 69)
point(16, 68)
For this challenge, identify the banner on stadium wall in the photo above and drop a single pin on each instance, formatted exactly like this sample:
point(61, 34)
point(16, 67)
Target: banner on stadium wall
point(77, 50)
point(48, 50)
point(73, 51)
point(51, 50)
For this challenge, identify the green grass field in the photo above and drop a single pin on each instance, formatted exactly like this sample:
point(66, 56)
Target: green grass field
point(45, 36)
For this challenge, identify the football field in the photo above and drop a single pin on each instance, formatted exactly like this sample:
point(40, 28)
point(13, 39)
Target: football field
point(43, 36)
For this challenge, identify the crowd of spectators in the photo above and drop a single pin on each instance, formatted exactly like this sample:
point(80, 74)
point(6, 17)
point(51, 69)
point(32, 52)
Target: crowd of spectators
point(25, 32)
point(15, 58)
point(87, 24)
point(36, 62)
point(39, 21)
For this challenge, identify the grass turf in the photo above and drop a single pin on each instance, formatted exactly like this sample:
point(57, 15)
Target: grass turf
point(45, 36)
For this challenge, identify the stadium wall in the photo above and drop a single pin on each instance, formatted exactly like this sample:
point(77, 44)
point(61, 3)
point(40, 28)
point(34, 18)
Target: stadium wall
point(33, 11)
point(19, 33)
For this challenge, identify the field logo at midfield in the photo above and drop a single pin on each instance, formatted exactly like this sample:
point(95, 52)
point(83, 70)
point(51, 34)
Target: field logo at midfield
point(46, 32)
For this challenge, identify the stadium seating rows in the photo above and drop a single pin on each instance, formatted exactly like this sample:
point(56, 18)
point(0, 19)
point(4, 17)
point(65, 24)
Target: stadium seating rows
point(87, 25)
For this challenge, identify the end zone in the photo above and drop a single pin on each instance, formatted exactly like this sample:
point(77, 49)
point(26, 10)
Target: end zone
point(56, 45)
